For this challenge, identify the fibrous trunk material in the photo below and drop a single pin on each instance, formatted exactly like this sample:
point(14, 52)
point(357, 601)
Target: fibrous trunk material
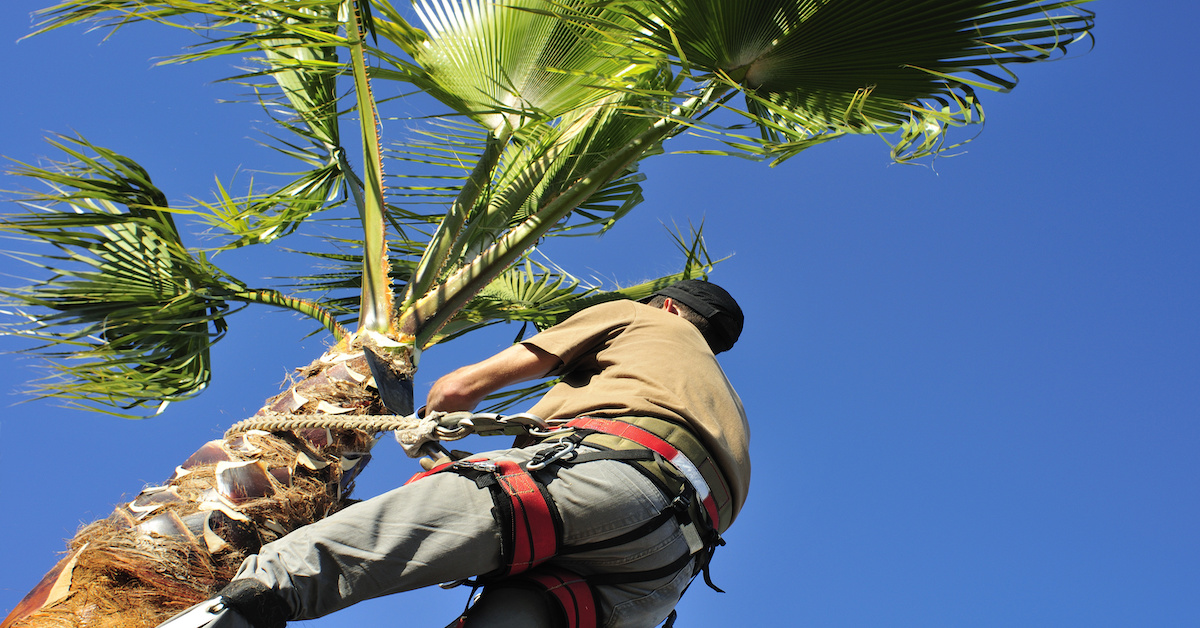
point(176, 544)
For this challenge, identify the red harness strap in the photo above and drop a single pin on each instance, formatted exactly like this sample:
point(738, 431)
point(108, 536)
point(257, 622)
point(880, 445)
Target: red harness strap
point(571, 592)
point(532, 521)
point(567, 589)
point(424, 474)
point(529, 523)
point(651, 441)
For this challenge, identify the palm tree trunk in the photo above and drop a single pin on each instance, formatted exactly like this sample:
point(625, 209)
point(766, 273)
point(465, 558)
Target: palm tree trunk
point(176, 544)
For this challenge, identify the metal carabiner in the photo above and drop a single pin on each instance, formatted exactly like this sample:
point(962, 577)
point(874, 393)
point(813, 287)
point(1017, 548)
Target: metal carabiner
point(526, 421)
point(557, 452)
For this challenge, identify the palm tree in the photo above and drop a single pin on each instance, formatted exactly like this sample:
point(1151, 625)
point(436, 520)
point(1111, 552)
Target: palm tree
point(550, 106)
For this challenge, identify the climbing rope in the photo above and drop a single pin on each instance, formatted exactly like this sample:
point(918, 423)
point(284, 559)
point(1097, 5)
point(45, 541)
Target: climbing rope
point(413, 432)
point(285, 422)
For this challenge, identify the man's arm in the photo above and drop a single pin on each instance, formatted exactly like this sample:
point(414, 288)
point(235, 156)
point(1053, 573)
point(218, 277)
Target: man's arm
point(464, 388)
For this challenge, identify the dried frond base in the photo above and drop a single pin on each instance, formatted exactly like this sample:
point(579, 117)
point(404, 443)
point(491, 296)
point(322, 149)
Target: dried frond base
point(175, 545)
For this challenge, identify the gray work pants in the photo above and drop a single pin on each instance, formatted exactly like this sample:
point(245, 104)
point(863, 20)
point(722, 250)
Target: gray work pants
point(441, 529)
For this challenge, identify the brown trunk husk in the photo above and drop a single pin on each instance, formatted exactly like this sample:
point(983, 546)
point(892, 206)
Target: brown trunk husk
point(175, 545)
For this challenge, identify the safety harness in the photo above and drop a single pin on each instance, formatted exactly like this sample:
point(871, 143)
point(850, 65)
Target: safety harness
point(531, 528)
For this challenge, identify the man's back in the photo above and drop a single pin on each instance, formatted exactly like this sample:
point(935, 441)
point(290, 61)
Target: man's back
point(626, 359)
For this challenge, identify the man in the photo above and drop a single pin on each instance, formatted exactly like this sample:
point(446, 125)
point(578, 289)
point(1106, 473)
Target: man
point(604, 524)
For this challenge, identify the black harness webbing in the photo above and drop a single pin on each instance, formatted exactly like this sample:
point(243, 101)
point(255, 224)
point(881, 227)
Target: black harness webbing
point(683, 507)
point(531, 529)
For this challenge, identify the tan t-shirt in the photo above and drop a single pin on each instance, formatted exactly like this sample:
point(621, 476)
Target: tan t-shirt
point(623, 358)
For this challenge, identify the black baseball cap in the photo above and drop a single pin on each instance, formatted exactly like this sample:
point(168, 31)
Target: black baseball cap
point(714, 304)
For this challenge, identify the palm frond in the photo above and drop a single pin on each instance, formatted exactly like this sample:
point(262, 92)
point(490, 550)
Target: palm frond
point(505, 400)
point(254, 217)
point(131, 312)
point(123, 311)
point(506, 64)
point(545, 165)
point(908, 69)
point(300, 64)
point(295, 46)
point(544, 294)
point(435, 162)
point(228, 27)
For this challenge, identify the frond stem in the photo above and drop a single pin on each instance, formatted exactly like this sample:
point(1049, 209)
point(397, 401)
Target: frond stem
point(438, 253)
point(430, 312)
point(303, 306)
point(377, 298)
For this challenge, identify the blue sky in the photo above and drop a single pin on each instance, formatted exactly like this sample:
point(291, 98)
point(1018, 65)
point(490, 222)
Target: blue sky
point(974, 388)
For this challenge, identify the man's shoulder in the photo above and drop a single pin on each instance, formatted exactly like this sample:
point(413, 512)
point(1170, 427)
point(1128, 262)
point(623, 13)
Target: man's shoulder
point(615, 305)
point(624, 312)
point(609, 310)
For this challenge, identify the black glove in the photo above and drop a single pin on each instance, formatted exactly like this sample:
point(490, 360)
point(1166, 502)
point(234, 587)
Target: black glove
point(256, 602)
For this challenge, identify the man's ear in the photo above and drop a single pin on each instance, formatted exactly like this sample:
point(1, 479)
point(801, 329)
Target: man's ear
point(669, 306)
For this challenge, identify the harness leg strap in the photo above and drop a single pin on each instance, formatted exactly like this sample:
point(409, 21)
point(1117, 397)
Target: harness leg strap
point(533, 525)
point(530, 526)
point(546, 597)
point(573, 594)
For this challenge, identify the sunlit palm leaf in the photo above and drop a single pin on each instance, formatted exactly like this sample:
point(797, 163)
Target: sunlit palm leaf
point(505, 62)
point(543, 167)
point(550, 159)
point(132, 313)
point(507, 66)
point(426, 315)
point(230, 26)
point(528, 174)
point(300, 58)
point(434, 163)
point(295, 43)
point(124, 311)
point(509, 399)
point(813, 67)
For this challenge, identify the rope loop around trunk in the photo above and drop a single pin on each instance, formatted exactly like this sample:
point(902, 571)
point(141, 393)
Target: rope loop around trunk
point(366, 423)
point(415, 432)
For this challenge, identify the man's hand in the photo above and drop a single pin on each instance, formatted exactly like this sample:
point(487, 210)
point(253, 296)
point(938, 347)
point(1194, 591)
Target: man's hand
point(464, 388)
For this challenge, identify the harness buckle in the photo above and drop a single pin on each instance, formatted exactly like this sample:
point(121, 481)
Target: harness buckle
point(694, 542)
point(483, 466)
point(558, 451)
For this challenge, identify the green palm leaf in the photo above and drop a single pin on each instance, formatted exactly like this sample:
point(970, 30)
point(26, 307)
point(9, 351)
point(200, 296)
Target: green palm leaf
point(504, 64)
point(299, 58)
point(544, 294)
point(132, 313)
point(528, 188)
point(295, 44)
point(544, 167)
point(125, 312)
point(829, 67)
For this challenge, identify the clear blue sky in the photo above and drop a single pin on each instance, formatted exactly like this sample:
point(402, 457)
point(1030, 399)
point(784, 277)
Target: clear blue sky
point(974, 388)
